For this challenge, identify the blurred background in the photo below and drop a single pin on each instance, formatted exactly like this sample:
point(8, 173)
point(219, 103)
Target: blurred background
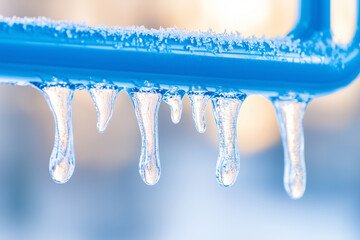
point(106, 199)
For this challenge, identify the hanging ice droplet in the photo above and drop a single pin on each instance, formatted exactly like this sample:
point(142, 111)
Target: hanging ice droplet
point(199, 100)
point(62, 160)
point(290, 114)
point(104, 98)
point(146, 103)
point(174, 100)
point(226, 107)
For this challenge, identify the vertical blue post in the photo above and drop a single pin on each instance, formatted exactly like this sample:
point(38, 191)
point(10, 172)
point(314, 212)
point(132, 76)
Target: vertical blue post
point(314, 16)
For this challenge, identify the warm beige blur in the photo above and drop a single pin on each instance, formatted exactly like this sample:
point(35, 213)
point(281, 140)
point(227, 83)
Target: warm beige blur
point(249, 17)
point(257, 126)
point(343, 19)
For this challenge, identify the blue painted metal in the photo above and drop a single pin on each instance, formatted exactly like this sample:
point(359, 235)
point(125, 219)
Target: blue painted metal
point(314, 17)
point(28, 57)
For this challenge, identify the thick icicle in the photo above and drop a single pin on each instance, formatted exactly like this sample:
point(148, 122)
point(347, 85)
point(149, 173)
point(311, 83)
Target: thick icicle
point(174, 99)
point(226, 107)
point(199, 100)
point(146, 103)
point(104, 98)
point(290, 114)
point(62, 160)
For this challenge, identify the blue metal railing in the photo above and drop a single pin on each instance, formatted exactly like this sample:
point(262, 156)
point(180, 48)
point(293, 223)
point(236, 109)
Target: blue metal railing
point(307, 62)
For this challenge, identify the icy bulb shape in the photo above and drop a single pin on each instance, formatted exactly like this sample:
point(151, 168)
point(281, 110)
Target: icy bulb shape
point(174, 100)
point(226, 107)
point(62, 160)
point(290, 114)
point(146, 103)
point(199, 100)
point(104, 99)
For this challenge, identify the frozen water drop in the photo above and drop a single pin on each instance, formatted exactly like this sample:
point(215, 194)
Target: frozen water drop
point(62, 160)
point(290, 114)
point(199, 100)
point(174, 100)
point(104, 99)
point(226, 107)
point(146, 103)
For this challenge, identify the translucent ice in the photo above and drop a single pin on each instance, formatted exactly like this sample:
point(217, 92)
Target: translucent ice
point(290, 114)
point(226, 107)
point(199, 100)
point(174, 99)
point(146, 103)
point(104, 98)
point(62, 160)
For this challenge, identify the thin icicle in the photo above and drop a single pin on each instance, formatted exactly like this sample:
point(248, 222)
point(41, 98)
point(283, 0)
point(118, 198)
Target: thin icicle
point(146, 103)
point(104, 98)
point(290, 114)
point(62, 160)
point(226, 107)
point(199, 100)
point(174, 99)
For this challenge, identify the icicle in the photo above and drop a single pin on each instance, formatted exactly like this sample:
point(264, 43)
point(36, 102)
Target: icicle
point(146, 103)
point(199, 100)
point(226, 107)
point(290, 114)
point(104, 98)
point(174, 99)
point(62, 160)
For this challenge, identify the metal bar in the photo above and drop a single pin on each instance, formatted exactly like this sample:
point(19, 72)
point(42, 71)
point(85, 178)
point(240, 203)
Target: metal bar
point(314, 17)
point(31, 50)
